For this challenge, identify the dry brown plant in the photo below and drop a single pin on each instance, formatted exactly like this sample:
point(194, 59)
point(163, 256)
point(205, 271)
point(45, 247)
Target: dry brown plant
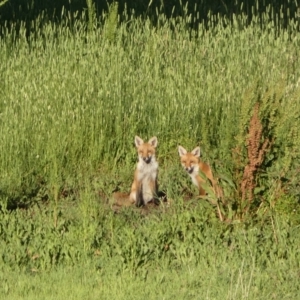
point(256, 149)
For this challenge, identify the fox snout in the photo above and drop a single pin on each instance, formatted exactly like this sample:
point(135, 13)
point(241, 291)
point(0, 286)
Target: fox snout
point(189, 169)
point(147, 159)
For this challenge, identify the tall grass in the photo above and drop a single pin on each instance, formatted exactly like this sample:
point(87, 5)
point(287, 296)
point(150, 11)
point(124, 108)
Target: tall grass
point(70, 105)
point(71, 102)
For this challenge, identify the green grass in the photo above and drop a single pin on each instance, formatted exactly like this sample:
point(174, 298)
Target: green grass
point(180, 253)
point(71, 103)
point(189, 282)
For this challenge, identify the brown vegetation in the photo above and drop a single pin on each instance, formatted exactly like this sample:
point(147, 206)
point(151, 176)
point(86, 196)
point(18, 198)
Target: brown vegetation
point(256, 149)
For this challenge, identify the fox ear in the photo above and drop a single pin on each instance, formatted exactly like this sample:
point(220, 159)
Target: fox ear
point(181, 151)
point(196, 152)
point(153, 141)
point(138, 141)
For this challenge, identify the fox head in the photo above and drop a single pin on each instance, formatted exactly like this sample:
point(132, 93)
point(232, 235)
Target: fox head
point(190, 160)
point(146, 151)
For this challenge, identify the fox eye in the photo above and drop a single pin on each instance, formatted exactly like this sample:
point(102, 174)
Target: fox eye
point(183, 161)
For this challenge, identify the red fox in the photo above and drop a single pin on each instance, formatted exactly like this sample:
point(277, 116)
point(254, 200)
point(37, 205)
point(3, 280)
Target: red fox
point(192, 164)
point(144, 186)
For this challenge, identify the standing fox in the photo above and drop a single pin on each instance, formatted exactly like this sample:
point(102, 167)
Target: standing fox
point(144, 186)
point(192, 164)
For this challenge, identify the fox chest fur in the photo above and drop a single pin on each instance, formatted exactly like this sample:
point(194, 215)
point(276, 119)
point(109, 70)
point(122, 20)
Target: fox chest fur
point(146, 176)
point(144, 187)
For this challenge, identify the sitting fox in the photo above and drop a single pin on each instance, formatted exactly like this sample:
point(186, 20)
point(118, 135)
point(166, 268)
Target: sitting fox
point(192, 164)
point(144, 186)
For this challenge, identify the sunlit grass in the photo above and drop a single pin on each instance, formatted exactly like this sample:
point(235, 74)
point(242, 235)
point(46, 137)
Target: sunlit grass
point(70, 106)
point(178, 255)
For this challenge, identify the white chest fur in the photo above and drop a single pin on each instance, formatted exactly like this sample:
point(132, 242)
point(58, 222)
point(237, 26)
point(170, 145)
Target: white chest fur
point(147, 174)
point(194, 176)
point(194, 180)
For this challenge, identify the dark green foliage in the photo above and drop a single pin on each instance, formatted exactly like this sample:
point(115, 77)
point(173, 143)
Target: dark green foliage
point(18, 9)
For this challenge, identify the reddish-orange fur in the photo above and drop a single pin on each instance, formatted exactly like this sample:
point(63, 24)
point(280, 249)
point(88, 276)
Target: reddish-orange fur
point(144, 186)
point(192, 164)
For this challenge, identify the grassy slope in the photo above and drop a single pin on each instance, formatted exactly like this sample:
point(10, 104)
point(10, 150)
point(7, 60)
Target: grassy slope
point(190, 282)
point(69, 111)
point(181, 252)
point(70, 108)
